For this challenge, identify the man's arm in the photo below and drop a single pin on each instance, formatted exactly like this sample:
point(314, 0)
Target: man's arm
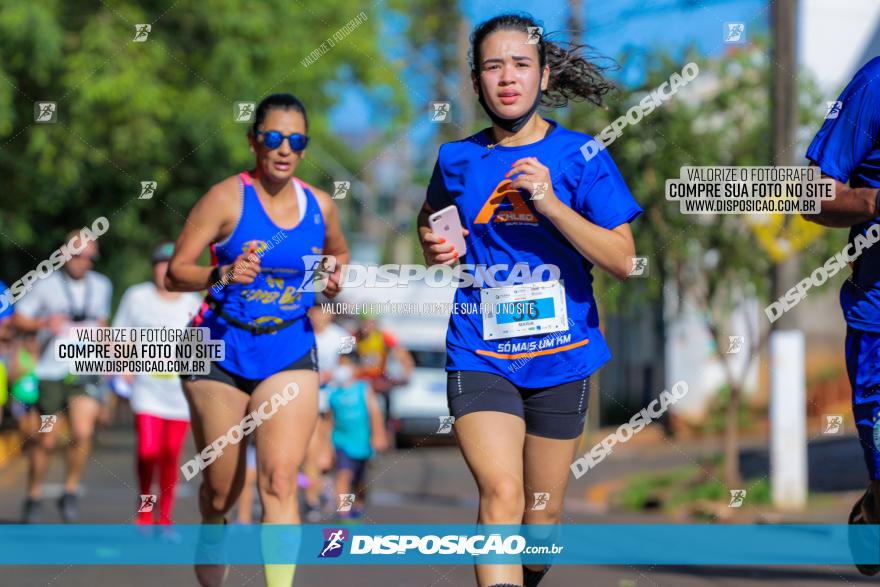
point(405, 358)
point(29, 325)
point(850, 206)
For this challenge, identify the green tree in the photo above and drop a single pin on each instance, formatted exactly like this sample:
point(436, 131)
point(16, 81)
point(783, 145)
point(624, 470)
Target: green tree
point(158, 110)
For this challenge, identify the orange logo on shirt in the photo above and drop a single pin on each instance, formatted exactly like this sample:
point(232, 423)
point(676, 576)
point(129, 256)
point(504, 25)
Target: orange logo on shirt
point(503, 191)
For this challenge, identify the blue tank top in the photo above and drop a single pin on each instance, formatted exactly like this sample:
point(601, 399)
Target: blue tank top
point(351, 420)
point(506, 229)
point(278, 294)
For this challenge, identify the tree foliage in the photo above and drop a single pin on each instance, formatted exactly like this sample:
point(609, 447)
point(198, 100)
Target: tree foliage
point(159, 110)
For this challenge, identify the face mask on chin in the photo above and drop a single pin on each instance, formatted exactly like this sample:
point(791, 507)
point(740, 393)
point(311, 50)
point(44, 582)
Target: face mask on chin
point(343, 375)
point(509, 124)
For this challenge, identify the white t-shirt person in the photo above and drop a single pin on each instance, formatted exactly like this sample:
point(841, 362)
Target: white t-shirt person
point(61, 294)
point(156, 394)
point(328, 343)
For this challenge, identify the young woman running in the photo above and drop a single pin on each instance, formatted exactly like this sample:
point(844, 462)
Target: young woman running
point(160, 409)
point(263, 226)
point(526, 194)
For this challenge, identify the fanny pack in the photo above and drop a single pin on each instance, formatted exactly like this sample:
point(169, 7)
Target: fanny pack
point(217, 307)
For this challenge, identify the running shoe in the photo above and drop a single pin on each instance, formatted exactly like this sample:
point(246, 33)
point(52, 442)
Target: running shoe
point(532, 578)
point(863, 512)
point(68, 507)
point(31, 511)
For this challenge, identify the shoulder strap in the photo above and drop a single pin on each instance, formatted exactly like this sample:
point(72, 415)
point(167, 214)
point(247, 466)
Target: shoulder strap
point(84, 313)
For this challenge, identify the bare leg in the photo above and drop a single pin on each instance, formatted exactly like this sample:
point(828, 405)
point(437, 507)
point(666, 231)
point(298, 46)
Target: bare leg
point(40, 446)
point(82, 413)
point(343, 487)
point(546, 468)
point(492, 445)
point(315, 461)
point(215, 408)
point(281, 447)
point(246, 499)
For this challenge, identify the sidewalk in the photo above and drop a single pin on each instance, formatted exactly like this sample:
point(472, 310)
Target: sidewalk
point(836, 471)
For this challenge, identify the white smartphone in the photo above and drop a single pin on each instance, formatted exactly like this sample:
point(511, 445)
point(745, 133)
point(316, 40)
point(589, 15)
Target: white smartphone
point(446, 224)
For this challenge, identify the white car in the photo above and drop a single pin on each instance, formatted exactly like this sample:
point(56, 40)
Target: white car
point(418, 405)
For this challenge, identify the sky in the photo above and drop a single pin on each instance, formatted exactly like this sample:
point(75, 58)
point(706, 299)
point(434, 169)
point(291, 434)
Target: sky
point(615, 25)
point(612, 26)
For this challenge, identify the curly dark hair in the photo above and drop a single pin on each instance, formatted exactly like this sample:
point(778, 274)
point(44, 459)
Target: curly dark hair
point(573, 75)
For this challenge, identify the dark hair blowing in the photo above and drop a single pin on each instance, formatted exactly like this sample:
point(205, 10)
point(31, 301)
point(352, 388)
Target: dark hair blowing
point(573, 77)
point(278, 102)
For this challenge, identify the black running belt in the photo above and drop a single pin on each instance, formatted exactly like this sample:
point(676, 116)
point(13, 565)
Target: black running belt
point(217, 307)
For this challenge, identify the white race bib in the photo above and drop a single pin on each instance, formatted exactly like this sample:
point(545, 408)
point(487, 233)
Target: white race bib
point(523, 310)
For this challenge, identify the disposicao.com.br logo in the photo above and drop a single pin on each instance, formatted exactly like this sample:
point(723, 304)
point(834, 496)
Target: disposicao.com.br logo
point(450, 544)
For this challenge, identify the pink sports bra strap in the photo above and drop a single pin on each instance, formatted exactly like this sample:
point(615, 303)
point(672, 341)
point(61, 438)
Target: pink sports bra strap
point(246, 179)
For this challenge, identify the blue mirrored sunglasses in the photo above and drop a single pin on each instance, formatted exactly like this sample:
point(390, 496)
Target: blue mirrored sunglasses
point(272, 139)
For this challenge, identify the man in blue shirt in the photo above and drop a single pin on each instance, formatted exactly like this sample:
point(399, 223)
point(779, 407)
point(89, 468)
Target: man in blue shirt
point(847, 149)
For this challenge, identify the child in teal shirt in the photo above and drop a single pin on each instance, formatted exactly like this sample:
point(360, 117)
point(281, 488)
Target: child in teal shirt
point(358, 431)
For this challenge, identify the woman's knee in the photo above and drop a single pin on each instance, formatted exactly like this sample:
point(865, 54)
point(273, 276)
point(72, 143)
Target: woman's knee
point(278, 481)
point(217, 498)
point(502, 500)
point(81, 432)
point(45, 442)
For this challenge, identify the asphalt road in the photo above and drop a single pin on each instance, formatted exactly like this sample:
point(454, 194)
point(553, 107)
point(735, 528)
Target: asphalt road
point(418, 486)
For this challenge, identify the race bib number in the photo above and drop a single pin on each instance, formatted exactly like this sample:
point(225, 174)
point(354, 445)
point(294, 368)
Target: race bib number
point(523, 310)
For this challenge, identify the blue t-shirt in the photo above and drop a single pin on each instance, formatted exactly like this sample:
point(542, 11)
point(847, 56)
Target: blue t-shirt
point(505, 229)
point(847, 148)
point(351, 420)
point(5, 303)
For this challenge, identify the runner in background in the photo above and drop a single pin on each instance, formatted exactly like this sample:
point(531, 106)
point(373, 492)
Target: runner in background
point(157, 400)
point(358, 431)
point(374, 347)
point(74, 296)
point(6, 351)
point(332, 340)
point(24, 389)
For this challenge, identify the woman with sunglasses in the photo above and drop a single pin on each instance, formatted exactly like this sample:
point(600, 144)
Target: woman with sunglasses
point(265, 228)
point(526, 193)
